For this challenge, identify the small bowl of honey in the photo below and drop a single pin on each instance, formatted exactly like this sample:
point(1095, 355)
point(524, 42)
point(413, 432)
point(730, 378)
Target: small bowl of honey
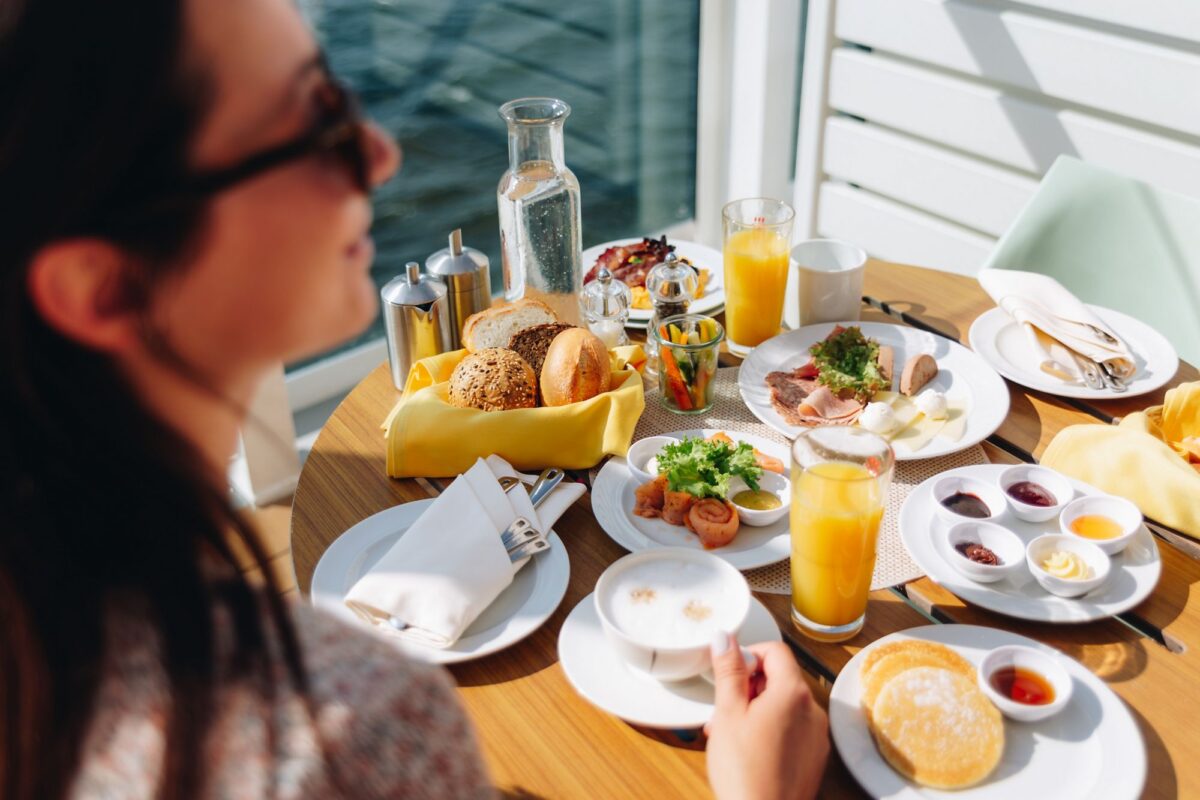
point(1106, 521)
point(1027, 685)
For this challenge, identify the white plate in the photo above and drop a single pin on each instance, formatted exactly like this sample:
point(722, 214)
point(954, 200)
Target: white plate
point(613, 500)
point(962, 375)
point(607, 682)
point(701, 256)
point(1091, 749)
point(1134, 572)
point(533, 595)
point(1002, 344)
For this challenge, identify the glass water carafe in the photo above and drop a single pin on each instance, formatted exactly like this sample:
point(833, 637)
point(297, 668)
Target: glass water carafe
point(540, 233)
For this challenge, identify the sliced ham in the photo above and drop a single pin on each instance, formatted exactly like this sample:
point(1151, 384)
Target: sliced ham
point(800, 400)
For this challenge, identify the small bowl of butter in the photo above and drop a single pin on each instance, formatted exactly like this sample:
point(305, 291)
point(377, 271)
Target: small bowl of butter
point(1067, 566)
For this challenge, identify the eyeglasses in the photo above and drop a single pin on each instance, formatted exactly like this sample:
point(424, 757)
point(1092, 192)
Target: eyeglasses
point(338, 133)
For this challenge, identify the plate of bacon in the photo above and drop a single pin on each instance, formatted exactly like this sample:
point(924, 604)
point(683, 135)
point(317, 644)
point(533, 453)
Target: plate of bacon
point(925, 394)
point(691, 502)
point(630, 261)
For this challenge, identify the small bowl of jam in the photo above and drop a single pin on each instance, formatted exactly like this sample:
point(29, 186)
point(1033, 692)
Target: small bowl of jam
point(983, 551)
point(1106, 521)
point(1026, 684)
point(1035, 493)
point(961, 499)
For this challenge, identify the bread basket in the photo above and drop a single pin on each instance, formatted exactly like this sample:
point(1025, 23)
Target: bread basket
point(428, 437)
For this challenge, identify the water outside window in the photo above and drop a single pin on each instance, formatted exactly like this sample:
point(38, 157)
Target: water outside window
point(434, 73)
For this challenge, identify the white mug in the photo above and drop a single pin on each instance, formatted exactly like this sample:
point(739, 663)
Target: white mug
point(829, 278)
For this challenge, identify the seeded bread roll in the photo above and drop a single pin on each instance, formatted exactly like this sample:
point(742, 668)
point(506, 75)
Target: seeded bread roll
point(493, 379)
point(533, 343)
point(494, 327)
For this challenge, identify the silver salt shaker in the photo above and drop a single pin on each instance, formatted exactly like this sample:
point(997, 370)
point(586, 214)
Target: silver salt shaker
point(464, 273)
point(417, 317)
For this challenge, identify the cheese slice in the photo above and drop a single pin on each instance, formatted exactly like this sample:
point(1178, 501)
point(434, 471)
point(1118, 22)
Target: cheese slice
point(956, 422)
point(920, 433)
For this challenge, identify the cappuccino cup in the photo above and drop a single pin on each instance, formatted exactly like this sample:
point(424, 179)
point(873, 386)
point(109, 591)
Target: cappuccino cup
point(829, 279)
point(661, 608)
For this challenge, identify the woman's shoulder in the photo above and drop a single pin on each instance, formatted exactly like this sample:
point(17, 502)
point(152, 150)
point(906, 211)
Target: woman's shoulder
point(386, 720)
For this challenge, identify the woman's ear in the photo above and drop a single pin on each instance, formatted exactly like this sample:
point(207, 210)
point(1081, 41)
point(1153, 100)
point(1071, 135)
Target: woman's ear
point(81, 289)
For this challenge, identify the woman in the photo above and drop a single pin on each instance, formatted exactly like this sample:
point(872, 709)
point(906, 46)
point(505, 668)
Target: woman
point(186, 204)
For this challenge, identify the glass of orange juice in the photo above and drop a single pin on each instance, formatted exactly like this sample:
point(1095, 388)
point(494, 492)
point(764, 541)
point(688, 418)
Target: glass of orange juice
point(840, 479)
point(758, 234)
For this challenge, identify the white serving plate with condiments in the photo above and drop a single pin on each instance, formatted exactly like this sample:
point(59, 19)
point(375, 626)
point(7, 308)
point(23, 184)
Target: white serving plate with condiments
point(1135, 571)
point(1091, 749)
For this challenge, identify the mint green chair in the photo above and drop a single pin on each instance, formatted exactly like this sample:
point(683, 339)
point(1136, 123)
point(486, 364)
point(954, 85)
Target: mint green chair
point(1115, 242)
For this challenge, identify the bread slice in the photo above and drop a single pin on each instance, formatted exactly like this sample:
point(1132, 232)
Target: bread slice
point(494, 327)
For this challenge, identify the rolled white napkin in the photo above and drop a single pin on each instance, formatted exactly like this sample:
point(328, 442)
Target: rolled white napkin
point(1056, 323)
point(451, 564)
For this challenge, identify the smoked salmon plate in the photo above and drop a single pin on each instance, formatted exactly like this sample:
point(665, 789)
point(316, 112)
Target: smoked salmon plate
point(723, 491)
point(712, 486)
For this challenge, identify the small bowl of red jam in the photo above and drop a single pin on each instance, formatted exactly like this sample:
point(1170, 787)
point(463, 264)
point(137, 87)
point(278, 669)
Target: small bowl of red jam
point(1026, 684)
point(983, 551)
point(1034, 493)
point(961, 499)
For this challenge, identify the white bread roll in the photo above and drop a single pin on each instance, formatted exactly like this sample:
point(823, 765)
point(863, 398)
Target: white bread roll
point(494, 327)
point(576, 368)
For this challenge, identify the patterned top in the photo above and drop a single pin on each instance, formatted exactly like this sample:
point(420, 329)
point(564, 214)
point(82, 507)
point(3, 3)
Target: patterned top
point(391, 727)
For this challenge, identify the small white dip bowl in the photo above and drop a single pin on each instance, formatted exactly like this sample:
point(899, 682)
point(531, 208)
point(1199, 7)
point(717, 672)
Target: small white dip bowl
point(1118, 509)
point(1035, 661)
point(989, 493)
point(1041, 548)
point(1048, 479)
point(1007, 546)
point(772, 482)
point(642, 452)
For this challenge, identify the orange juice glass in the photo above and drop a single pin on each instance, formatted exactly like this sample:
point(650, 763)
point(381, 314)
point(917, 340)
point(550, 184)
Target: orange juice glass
point(758, 235)
point(840, 479)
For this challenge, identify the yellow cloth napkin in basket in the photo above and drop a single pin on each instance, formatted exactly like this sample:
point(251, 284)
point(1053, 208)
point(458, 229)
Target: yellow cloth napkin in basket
point(426, 436)
point(1145, 458)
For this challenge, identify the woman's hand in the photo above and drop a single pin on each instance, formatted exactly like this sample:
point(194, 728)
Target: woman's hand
point(771, 745)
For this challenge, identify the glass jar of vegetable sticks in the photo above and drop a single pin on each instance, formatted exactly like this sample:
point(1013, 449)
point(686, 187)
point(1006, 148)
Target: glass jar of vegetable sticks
point(688, 345)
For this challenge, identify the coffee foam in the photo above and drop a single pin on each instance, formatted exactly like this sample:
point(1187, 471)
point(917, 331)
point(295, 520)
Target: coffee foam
point(672, 603)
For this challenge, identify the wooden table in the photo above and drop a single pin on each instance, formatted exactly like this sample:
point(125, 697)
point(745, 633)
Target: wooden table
point(541, 739)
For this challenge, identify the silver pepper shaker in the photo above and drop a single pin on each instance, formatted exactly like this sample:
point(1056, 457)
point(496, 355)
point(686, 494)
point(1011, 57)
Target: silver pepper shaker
point(464, 272)
point(417, 317)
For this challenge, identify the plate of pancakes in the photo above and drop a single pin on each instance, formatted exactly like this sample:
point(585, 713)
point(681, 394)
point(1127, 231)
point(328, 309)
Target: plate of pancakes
point(910, 721)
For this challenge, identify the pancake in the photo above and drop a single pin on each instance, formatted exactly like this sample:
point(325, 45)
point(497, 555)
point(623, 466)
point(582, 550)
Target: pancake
point(937, 728)
point(877, 672)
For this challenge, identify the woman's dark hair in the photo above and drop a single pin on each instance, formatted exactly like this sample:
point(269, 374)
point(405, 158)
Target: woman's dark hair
point(104, 508)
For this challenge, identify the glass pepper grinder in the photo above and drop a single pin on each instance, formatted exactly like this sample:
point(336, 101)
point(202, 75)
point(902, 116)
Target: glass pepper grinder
point(606, 302)
point(671, 285)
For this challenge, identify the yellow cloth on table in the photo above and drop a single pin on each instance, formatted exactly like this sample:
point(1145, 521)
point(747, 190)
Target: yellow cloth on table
point(426, 436)
point(1144, 459)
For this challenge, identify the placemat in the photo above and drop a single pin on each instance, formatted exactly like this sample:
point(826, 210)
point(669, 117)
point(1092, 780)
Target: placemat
point(729, 413)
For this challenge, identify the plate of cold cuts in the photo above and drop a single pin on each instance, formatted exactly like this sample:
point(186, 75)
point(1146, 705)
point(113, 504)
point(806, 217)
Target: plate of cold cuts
point(927, 395)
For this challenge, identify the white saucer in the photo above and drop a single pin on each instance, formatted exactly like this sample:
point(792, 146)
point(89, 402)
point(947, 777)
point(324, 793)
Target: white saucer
point(518, 611)
point(701, 256)
point(1134, 574)
point(605, 681)
point(999, 340)
point(1091, 749)
point(613, 501)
